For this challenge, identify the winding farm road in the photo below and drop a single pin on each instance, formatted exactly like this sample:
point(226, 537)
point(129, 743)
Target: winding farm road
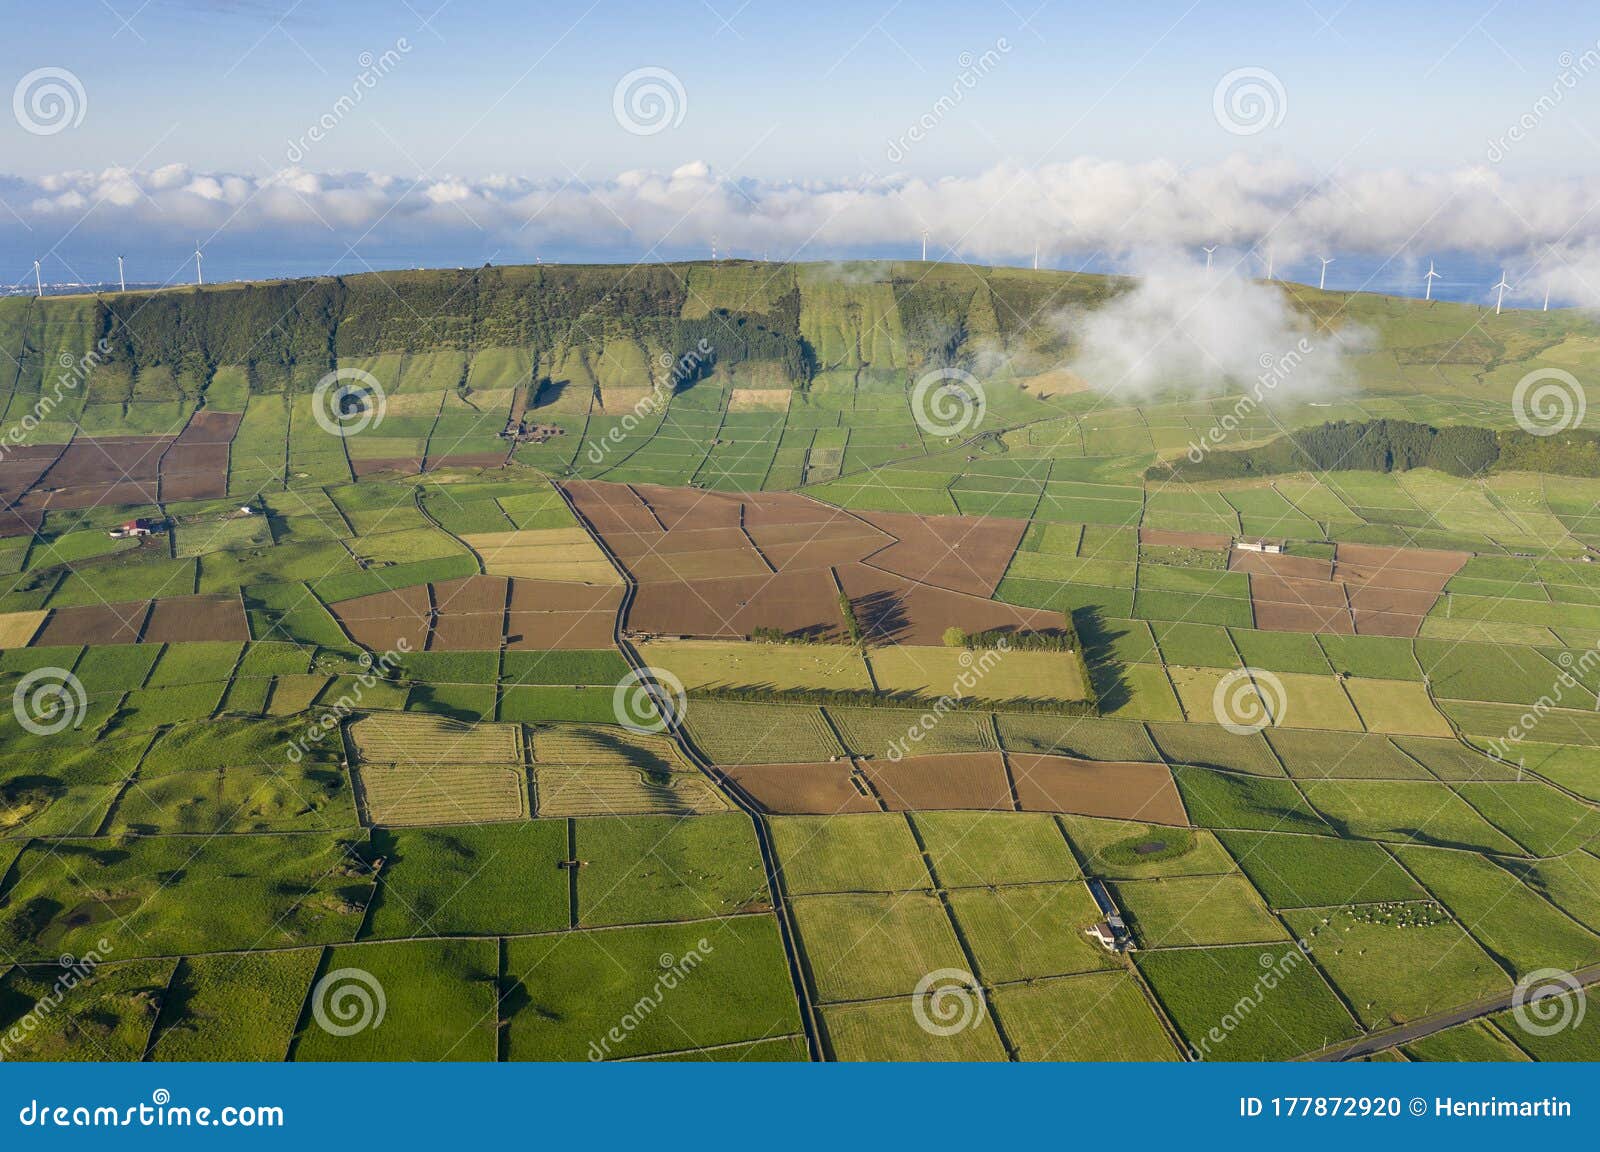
point(1405, 1033)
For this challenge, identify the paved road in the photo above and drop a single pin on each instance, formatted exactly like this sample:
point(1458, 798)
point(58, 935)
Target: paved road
point(1377, 1041)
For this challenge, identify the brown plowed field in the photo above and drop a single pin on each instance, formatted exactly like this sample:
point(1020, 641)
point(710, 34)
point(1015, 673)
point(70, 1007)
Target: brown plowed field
point(1389, 590)
point(891, 609)
point(17, 523)
point(458, 632)
point(689, 508)
point(1366, 574)
point(965, 553)
point(195, 485)
point(94, 624)
point(1299, 593)
point(405, 603)
point(955, 780)
point(90, 495)
point(799, 603)
point(1294, 618)
point(208, 427)
point(562, 630)
point(471, 594)
point(557, 596)
point(802, 789)
point(1119, 791)
point(176, 619)
point(1166, 538)
point(1291, 567)
point(745, 561)
point(385, 635)
point(611, 507)
point(1387, 624)
point(1404, 559)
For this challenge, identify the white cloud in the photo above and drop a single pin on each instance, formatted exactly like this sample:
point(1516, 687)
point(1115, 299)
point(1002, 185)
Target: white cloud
point(1079, 206)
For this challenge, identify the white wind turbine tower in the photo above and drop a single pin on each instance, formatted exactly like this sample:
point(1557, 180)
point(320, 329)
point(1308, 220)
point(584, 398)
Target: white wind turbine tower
point(924, 244)
point(122, 281)
point(1322, 283)
point(1547, 295)
point(1269, 263)
point(1427, 293)
point(1208, 252)
point(199, 272)
point(1035, 255)
point(1502, 286)
point(38, 280)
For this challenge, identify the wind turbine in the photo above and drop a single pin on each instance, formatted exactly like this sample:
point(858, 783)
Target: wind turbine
point(1430, 278)
point(1035, 255)
point(199, 272)
point(38, 280)
point(1502, 286)
point(122, 281)
point(1269, 263)
point(1547, 295)
point(713, 249)
point(1323, 282)
point(1208, 252)
point(924, 244)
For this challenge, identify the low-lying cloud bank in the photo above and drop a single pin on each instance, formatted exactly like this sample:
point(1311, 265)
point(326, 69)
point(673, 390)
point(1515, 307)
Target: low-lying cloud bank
point(1543, 228)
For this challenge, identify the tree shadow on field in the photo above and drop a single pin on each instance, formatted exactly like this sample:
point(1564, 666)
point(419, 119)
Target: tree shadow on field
point(1099, 653)
point(882, 615)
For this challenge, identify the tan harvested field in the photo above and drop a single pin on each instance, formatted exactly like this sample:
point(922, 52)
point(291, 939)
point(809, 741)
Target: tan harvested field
point(758, 400)
point(94, 624)
point(965, 553)
point(471, 615)
point(465, 460)
point(954, 780)
point(543, 554)
point(174, 619)
point(377, 466)
point(603, 746)
point(457, 795)
point(564, 791)
point(1119, 791)
point(725, 664)
point(17, 628)
point(692, 565)
point(803, 789)
point(419, 740)
point(981, 675)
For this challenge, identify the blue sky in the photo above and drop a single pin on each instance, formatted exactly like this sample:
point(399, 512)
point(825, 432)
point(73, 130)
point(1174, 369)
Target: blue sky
point(803, 98)
point(785, 90)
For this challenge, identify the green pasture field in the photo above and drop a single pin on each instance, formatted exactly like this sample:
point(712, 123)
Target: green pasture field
point(1120, 849)
point(240, 1006)
point(1094, 1016)
point(987, 849)
point(1201, 989)
point(1405, 812)
point(649, 868)
point(1196, 910)
point(1029, 931)
point(1318, 871)
point(886, 1030)
point(1397, 962)
point(863, 852)
point(861, 946)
